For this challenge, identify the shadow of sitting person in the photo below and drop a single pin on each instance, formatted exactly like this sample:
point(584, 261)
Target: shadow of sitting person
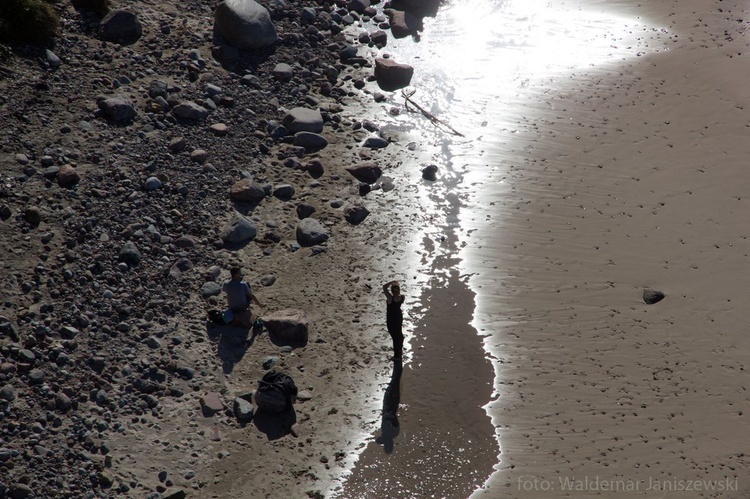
point(275, 425)
point(232, 343)
point(391, 400)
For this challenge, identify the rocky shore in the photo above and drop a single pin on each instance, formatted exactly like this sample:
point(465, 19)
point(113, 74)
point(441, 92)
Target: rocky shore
point(142, 156)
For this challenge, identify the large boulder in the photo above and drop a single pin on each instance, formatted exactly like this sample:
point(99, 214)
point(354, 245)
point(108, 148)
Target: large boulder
point(311, 232)
point(238, 230)
point(392, 75)
point(287, 327)
point(302, 119)
point(247, 191)
point(120, 26)
point(244, 24)
point(368, 172)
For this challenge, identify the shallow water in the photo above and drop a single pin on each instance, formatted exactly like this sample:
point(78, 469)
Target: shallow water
point(557, 102)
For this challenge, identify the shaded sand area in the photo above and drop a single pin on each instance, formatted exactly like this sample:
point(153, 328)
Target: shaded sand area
point(622, 177)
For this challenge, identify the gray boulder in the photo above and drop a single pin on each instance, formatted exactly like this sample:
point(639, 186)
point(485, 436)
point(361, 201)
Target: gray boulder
point(120, 26)
point(118, 109)
point(285, 192)
point(210, 288)
point(311, 232)
point(310, 141)
point(651, 296)
point(238, 230)
point(302, 119)
point(375, 143)
point(358, 6)
point(368, 172)
point(287, 327)
point(190, 111)
point(244, 24)
point(243, 410)
point(429, 172)
point(391, 75)
point(283, 71)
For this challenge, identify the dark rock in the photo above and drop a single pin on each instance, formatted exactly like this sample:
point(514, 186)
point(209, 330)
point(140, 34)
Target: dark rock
point(429, 172)
point(651, 296)
point(305, 210)
point(238, 230)
point(129, 254)
point(7, 393)
point(366, 172)
point(311, 232)
point(310, 141)
point(190, 111)
point(283, 71)
point(356, 214)
point(120, 26)
point(390, 75)
point(157, 88)
point(287, 327)
point(118, 109)
point(67, 176)
point(402, 23)
point(33, 216)
point(285, 192)
point(375, 143)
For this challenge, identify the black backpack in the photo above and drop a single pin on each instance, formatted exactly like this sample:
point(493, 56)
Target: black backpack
point(276, 392)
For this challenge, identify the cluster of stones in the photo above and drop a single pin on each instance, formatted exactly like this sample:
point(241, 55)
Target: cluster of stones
point(177, 155)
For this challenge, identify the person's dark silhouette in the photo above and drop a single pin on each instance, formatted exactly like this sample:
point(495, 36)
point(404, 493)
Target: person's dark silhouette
point(390, 424)
point(394, 317)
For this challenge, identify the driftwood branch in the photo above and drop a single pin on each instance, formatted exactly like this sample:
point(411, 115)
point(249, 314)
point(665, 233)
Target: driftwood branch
point(408, 100)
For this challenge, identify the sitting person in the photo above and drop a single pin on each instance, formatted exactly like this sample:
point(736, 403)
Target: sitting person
point(239, 296)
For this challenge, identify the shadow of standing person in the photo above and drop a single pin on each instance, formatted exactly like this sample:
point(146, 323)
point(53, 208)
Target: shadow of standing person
point(390, 425)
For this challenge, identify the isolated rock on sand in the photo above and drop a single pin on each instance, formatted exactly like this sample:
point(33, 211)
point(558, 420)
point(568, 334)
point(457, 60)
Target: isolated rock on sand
point(285, 192)
point(118, 109)
point(402, 23)
point(651, 296)
point(311, 232)
point(375, 143)
point(120, 26)
point(288, 326)
point(356, 214)
point(246, 190)
point(305, 210)
point(429, 172)
point(238, 230)
point(302, 119)
point(244, 24)
point(368, 172)
point(392, 75)
point(211, 403)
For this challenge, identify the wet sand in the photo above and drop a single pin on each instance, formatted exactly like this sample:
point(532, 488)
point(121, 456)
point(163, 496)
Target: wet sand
point(623, 177)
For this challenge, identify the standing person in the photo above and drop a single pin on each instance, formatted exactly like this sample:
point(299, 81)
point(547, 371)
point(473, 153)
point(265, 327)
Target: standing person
point(239, 296)
point(394, 317)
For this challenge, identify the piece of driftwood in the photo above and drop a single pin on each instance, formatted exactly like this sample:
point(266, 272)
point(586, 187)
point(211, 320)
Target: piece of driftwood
point(408, 100)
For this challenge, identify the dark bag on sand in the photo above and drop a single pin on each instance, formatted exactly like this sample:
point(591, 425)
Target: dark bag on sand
point(276, 391)
point(216, 317)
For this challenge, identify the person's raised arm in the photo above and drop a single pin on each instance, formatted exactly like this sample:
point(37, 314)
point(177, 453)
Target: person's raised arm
point(255, 300)
point(387, 291)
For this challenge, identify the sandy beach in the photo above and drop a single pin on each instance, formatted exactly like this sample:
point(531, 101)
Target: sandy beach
point(533, 366)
